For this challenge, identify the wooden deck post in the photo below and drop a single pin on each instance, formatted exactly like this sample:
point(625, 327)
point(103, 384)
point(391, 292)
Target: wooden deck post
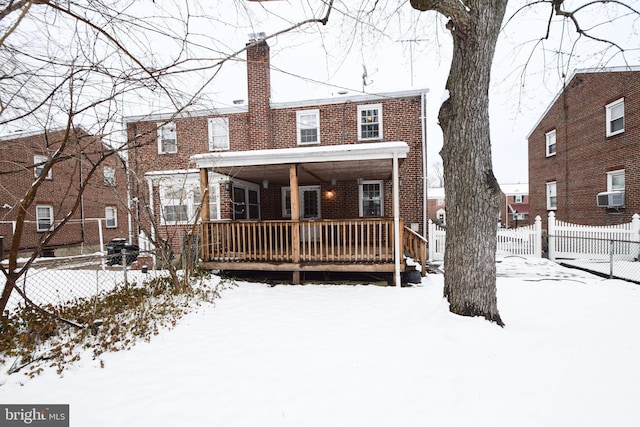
point(205, 214)
point(295, 219)
point(397, 249)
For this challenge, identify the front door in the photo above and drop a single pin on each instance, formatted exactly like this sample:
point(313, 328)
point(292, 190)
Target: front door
point(310, 202)
point(310, 209)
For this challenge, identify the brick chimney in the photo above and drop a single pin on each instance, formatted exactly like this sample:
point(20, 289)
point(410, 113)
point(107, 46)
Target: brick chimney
point(259, 93)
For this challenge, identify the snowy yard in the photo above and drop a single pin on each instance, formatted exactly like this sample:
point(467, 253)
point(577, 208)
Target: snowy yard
point(372, 356)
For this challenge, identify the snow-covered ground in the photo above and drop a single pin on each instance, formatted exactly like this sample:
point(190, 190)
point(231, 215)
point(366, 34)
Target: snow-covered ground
point(319, 355)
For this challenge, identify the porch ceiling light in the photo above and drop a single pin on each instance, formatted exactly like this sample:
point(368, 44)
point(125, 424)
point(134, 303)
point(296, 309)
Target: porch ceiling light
point(265, 183)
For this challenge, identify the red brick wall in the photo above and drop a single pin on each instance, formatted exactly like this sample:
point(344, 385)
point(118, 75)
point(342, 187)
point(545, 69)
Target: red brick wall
point(16, 163)
point(264, 127)
point(584, 154)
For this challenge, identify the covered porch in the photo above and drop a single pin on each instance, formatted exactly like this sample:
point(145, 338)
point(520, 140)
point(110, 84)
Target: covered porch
point(368, 243)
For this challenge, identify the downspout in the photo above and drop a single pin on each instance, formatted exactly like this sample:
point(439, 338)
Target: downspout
point(396, 222)
point(129, 205)
point(82, 232)
point(423, 126)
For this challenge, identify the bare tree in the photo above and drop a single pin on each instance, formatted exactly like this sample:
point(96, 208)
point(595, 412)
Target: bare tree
point(82, 64)
point(436, 177)
point(472, 192)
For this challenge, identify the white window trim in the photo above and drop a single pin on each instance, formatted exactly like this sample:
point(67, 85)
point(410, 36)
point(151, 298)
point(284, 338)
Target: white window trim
point(610, 179)
point(50, 227)
point(160, 137)
point(518, 198)
point(370, 107)
point(548, 144)
point(548, 195)
point(608, 109)
point(41, 160)
point(360, 195)
point(299, 127)
point(114, 211)
point(214, 123)
point(190, 183)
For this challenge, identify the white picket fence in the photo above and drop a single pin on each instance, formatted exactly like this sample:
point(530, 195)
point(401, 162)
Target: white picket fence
point(573, 241)
point(523, 241)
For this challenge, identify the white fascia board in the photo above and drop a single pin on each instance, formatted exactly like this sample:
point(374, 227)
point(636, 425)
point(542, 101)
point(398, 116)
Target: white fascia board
point(354, 99)
point(185, 114)
point(329, 153)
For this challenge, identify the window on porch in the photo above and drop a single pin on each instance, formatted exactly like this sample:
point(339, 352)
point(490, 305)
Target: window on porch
point(371, 198)
point(180, 198)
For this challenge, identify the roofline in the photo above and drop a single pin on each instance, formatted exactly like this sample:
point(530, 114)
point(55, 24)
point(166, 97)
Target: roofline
point(342, 99)
point(621, 69)
point(28, 133)
point(315, 154)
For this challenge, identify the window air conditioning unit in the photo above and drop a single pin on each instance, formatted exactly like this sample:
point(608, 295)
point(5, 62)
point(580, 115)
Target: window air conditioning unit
point(611, 199)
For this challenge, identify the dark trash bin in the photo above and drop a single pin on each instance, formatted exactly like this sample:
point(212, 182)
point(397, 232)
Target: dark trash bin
point(114, 251)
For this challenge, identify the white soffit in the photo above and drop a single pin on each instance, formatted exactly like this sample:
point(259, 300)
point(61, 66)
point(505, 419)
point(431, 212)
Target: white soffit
point(315, 154)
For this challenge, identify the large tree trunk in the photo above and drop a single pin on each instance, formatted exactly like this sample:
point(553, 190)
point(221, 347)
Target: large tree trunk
point(472, 193)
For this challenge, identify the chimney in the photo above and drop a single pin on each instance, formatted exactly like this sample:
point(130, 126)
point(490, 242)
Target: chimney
point(259, 92)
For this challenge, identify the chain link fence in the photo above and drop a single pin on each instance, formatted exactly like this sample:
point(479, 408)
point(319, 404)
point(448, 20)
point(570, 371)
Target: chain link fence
point(610, 258)
point(57, 281)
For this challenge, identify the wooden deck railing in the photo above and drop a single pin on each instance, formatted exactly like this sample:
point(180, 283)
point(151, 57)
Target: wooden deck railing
point(415, 246)
point(330, 241)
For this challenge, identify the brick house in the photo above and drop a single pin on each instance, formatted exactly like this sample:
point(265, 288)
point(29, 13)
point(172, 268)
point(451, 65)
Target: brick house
point(340, 153)
point(584, 152)
point(100, 209)
point(514, 201)
point(436, 206)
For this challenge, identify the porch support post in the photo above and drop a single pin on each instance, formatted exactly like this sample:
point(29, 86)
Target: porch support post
point(396, 222)
point(295, 220)
point(205, 214)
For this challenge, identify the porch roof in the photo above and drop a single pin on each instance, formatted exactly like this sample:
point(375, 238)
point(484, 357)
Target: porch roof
point(316, 164)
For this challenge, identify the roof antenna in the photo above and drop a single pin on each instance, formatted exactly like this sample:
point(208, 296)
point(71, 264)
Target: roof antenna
point(365, 75)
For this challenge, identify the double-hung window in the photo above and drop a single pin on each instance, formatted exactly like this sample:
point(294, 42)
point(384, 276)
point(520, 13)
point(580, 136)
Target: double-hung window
point(370, 121)
point(44, 217)
point(615, 117)
point(615, 180)
point(552, 200)
point(551, 143)
point(39, 163)
point(371, 198)
point(308, 127)
point(180, 198)
point(218, 133)
point(167, 138)
point(518, 198)
point(111, 216)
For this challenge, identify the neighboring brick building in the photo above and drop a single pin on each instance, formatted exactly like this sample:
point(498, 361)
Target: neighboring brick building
point(515, 202)
point(161, 147)
point(22, 158)
point(588, 144)
point(435, 205)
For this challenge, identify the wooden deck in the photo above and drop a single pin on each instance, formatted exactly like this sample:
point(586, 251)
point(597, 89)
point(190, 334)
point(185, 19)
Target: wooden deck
point(323, 245)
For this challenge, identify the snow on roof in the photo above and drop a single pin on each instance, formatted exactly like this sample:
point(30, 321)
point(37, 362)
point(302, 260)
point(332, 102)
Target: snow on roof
point(520, 188)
